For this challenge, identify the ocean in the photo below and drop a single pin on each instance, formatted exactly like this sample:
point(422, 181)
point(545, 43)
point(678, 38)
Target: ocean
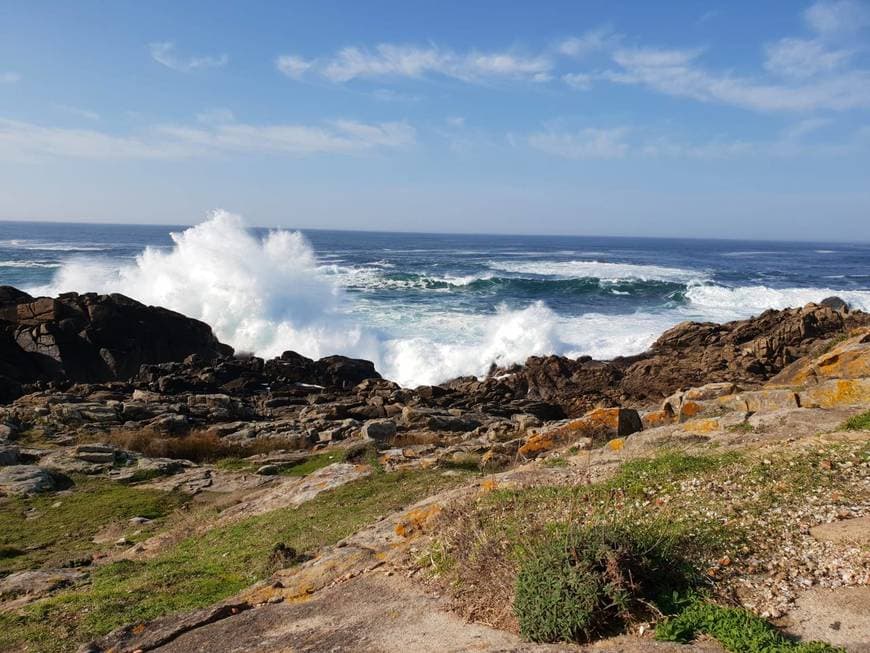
point(428, 307)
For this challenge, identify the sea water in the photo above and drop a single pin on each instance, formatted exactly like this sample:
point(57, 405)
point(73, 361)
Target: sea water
point(428, 307)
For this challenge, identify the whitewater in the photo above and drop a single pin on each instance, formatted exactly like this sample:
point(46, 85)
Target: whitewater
point(428, 308)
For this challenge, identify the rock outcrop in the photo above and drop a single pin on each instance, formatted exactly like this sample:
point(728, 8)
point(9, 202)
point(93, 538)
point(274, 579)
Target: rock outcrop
point(749, 352)
point(91, 338)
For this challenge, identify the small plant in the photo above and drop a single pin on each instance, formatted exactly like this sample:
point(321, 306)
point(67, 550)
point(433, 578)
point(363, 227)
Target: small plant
point(743, 427)
point(860, 422)
point(596, 580)
point(555, 461)
point(736, 629)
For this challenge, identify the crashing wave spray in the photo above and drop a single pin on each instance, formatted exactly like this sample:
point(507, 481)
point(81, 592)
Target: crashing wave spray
point(267, 295)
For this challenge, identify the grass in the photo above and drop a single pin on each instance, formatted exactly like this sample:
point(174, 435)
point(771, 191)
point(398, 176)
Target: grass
point(721, 505)
point(55, 529)
point(738, 630)
point(312, 464)
point(860, 422)
point(211, 566)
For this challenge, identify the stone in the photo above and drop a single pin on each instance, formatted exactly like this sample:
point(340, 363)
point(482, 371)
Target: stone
point(25, 480)
point(836, 393)
point(268, 470)
point(600, 425)
point(849, 359)
point(8, 456)
point(380, 430)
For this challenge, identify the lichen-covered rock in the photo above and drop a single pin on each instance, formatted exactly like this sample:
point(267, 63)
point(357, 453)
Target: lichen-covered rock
point(600, 425)
point(849, 359)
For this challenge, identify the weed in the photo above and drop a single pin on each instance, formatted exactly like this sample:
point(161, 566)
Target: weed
point(736, 629)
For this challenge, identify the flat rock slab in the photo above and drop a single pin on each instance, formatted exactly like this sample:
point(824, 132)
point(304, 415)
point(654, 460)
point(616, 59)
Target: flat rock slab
point(838, 616)
point(25, 479)
point(372, 613)
point(848, 531)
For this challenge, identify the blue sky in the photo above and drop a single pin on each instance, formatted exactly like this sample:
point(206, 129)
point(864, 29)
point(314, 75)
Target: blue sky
point(732, 119)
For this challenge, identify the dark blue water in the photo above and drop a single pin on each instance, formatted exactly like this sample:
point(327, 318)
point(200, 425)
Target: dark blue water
point(450, 293)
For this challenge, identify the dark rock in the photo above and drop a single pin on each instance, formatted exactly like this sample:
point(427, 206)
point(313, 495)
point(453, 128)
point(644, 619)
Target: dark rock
point(91, 338)
point(835, 304)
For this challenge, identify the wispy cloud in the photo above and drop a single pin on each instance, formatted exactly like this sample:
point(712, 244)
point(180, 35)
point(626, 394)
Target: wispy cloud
point(79, 112)
point(592, 41)
point(388, 60)
point(588, 143)
point(27, 140)
point(292, 66)
point(799, 58)
point(837, 17)
point(9, 77)
point(163, 52)
point(622, 142)
point(677, 72)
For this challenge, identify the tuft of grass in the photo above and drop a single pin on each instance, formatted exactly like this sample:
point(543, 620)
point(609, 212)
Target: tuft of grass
point(56, 528)
point(743, 427)
point(208, 567)
point(737, 629)
point(860, 422)
point(555, 461)
point(599, 579)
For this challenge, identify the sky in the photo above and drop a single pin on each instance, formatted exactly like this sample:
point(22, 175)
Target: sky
point(694, 119)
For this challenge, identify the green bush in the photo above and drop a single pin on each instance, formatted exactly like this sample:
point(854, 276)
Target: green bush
point(595, 580)
point(860, 422)
point(737, 629)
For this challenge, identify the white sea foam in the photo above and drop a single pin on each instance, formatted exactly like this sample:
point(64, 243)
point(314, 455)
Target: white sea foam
point(18, 243)
point(721, 304)
point(598, 270)
point(29, 264)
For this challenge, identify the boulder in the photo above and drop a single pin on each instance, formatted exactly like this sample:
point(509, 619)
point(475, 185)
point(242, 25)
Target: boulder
point(25, 479)
point(849, 359)
point(91, 338)
point(599, 425)
point(379, 430)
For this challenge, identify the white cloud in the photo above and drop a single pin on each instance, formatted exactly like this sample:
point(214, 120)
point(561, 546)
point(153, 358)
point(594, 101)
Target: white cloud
point(579, 81)
point(388, 60)
point(163, 52)
point(802, 58)
point(675, 72)
point(455, 121)
point(292, 66)
point(592, 41)
point(9, 77)
point(589, 143)
point(837, 17)
point(27, 140)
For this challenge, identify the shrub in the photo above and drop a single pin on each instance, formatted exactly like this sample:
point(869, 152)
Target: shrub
point(595, 580)
point(736, 629)
point(197, 446)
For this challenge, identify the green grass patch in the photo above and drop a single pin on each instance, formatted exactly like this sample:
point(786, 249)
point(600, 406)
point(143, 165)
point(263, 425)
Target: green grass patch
point(737, 629)
point(211, 566)
point(312, 464)
point(53, 529)
point(860, 422)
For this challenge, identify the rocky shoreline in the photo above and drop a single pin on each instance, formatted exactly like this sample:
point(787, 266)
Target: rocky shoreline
point(104, 387)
